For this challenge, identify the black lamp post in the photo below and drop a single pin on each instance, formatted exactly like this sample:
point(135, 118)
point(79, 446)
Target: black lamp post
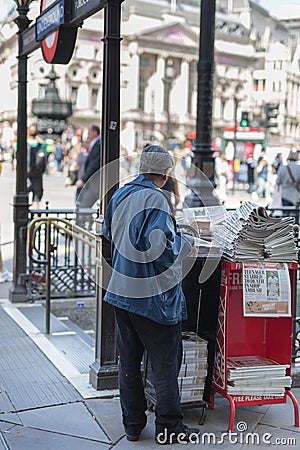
point(17, 291)
point(203, 171)
point(104, 370)
point(236, 99)
point(168, 80)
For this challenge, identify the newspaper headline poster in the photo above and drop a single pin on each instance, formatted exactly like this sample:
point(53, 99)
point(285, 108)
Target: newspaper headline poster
point(266, 289)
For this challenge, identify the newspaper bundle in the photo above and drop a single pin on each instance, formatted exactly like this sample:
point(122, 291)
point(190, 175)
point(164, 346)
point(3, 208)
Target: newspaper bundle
point(256, 375)
point(193, 370)
point(250, 234)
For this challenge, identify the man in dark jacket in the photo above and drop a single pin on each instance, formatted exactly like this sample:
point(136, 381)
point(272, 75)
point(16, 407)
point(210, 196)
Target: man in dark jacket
point(36, 165)
point(90, 181)
point(145, 291)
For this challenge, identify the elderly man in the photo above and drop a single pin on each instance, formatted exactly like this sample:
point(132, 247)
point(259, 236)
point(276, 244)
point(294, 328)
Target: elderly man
point(145, 290)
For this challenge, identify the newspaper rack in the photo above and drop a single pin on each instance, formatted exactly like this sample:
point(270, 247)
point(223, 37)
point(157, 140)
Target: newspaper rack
point(239, 335)
point(202, 308)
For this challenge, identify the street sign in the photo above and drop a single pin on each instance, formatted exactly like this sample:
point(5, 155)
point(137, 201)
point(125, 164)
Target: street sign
point(57, 47)
point(245, 135)
point(55, 29)
point(81, 9)
point(50, 19)
point(29, 43)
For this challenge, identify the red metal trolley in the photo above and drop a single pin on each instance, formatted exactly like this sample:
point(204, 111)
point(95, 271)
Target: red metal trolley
point(237, 335)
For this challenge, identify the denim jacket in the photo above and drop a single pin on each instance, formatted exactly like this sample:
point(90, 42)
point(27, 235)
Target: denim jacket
point(147, 252)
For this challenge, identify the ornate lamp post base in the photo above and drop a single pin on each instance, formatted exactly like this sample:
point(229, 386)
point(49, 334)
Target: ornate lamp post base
point(18, 291)
point(101, 378)
point(201, 194)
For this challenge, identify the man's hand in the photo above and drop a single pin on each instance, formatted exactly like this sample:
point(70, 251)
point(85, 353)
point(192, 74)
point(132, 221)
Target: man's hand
point(79, 183)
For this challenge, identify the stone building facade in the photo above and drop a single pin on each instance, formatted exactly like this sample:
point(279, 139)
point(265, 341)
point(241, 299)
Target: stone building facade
point(257, 62)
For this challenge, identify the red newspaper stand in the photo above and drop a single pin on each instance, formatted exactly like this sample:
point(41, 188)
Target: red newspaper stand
point(239, 335)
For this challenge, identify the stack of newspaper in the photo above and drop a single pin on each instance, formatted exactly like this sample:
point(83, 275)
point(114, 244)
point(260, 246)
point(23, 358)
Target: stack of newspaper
point(193, 370)
point(256, 375)
point(250, 234)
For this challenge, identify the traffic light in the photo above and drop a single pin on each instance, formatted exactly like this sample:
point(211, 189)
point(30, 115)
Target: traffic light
point(271, 110)
point(245, 119)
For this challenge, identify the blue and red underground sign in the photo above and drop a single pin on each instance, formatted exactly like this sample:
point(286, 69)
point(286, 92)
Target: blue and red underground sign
point(56, 27)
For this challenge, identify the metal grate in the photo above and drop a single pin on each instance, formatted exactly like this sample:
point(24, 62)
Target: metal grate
point(27, 377)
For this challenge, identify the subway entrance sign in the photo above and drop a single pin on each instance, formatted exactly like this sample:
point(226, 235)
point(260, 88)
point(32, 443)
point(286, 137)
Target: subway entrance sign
point(50, 19)
point(57, 38)
point(55, 30)
point(81, 9)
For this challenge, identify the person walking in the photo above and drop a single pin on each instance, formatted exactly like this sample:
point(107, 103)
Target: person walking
point(59, 156)
point(36, 165)
point(88, 184)
point(80, 164)
point(145, 291)
point(277, 163)
point(262, 184)
point(222, 173)
point(288, 179)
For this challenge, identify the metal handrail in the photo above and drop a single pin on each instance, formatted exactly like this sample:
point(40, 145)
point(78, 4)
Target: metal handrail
point(60, 224)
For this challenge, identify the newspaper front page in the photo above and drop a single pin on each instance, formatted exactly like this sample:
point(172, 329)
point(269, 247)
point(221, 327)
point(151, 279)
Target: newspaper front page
point(266, 289)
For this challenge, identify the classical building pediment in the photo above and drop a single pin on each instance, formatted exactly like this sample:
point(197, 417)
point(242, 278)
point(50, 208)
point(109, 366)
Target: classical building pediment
point(175, 34)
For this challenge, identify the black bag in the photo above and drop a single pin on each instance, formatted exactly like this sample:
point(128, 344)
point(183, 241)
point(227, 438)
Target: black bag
point(37, 161)
point(73, 175)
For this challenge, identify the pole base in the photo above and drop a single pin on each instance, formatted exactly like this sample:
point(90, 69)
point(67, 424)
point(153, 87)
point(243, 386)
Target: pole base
point(103, 378)
point(18, 294)
point(201, 194)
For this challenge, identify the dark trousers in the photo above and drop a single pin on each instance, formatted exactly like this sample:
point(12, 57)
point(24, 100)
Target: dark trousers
point(163, 344)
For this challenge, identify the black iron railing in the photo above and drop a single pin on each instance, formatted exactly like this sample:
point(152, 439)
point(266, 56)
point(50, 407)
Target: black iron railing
point(72, 261)
point(83, 239)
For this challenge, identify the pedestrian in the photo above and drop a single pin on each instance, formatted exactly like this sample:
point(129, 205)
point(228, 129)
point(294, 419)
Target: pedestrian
point(36, 165)
point(288, 178)
point(186, 159)
point(81, 162)
point(145, 291)
point(262, 184)
point(222, 173)
point(59, 155)
point(277, 163)
point(89, 184)
point(251, 165)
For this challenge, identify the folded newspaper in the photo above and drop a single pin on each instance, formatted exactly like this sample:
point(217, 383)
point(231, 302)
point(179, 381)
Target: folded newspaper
point(250, 234)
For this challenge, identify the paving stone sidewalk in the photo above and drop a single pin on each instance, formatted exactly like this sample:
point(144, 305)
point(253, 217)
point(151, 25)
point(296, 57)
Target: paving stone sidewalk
point(41, 410)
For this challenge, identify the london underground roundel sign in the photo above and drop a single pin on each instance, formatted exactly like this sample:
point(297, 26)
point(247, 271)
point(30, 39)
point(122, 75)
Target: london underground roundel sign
point(57, 47)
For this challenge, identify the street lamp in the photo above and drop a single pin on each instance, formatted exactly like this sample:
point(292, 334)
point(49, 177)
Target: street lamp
point(203, 162)
point(168, 80)
point(17, 292)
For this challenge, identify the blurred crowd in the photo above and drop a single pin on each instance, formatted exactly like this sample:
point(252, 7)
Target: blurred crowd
point(68, 155)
